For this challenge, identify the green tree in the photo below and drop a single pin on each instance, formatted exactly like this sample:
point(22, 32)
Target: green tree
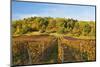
point(86, 29)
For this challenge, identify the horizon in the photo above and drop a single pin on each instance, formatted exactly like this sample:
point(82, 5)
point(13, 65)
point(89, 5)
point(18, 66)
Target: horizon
point(51, 17)
point(21, 10)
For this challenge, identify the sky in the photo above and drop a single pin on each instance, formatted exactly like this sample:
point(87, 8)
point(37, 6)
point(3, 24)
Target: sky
point(22, 10)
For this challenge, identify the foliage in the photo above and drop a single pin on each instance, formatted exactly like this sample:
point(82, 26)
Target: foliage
point(53, 25)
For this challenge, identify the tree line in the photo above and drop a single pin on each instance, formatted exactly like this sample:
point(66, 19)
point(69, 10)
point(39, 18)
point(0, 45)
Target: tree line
point(53, 25)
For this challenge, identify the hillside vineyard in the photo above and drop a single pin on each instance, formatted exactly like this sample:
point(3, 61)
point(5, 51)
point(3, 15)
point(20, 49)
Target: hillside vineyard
point(46, 40)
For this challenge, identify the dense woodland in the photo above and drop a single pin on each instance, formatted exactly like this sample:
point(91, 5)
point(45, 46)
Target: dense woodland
point(53, 25)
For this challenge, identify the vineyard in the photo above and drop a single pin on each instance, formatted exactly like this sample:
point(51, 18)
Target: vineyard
point(51, 49)
point(77, 49)
point(34, 50)
point(46, 40)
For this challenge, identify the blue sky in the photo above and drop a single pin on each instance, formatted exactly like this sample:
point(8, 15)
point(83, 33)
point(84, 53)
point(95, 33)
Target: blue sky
point(27, 9)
